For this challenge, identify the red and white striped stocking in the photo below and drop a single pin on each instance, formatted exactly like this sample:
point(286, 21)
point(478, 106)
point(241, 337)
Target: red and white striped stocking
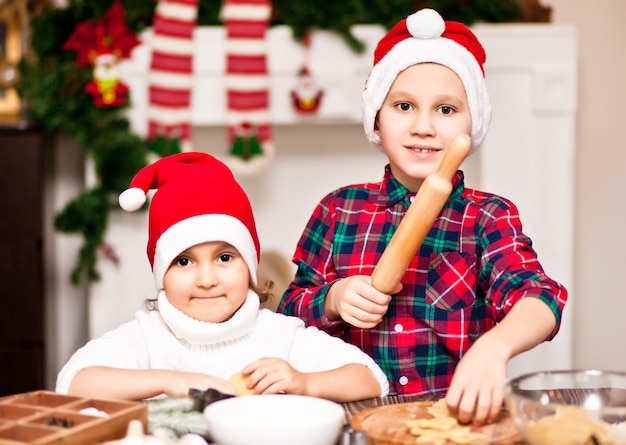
point(249, 131)
point(171, 77)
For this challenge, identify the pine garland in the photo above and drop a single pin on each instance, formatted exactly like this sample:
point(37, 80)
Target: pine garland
point(53, 86)
point(339, 16)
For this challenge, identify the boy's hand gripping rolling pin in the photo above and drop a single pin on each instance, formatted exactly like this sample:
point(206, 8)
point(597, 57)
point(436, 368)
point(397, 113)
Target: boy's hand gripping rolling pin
point(420, 217)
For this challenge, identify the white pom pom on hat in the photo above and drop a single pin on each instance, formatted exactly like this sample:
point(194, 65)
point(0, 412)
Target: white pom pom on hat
point(425, 24)
point(132, 199)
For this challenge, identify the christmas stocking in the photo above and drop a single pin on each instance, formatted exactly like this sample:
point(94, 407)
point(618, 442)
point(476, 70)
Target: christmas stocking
point(171, 78)
point(249, 132)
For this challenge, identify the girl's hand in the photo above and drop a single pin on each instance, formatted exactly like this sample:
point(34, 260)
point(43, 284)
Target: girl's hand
point(357, 302)
point(271, 375)
point(178, 383)
point(274, 375)
point(139, 384)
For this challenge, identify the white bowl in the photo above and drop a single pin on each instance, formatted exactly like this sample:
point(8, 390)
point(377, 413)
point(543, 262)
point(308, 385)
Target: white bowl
point(274, 419)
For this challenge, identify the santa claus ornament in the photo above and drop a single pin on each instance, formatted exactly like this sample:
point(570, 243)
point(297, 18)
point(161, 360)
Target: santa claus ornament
point(306, 96)
point(102, 45)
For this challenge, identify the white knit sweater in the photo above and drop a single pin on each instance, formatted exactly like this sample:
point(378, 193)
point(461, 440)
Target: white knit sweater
point(169, 339)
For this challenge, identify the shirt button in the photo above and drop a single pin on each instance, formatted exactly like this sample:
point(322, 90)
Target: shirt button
point(403, 380)
point(412, 198)
point(398, 328)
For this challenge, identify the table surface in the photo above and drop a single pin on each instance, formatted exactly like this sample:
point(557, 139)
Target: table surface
point(351, 437)
point(612, 396)
point(353, 408)
point(159, 412)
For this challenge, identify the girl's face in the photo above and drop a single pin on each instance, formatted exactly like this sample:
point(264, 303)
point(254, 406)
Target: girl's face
point(208, 281)
point(425, 109)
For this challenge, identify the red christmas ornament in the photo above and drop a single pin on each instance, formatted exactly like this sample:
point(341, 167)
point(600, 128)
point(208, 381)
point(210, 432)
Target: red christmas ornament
point(103, 44)
point(106, 88)
point(307, 95)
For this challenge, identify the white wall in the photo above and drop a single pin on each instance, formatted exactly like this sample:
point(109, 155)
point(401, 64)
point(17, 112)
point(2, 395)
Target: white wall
point(600, 239)
point(66, 304)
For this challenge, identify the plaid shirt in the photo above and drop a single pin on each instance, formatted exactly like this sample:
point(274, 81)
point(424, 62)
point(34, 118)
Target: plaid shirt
point(472, 267)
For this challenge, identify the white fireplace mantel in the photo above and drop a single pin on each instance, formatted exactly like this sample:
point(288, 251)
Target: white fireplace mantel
point(337, 69)
point(528, 155)
point(546, 51)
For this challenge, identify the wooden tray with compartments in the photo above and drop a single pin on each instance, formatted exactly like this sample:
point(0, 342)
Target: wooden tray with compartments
point(45, 417)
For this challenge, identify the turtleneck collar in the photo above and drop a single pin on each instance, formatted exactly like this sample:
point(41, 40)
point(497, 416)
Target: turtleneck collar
point(198, 332)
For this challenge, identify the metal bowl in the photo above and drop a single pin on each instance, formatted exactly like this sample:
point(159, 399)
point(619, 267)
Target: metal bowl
point(575, 407)
point(274, 419)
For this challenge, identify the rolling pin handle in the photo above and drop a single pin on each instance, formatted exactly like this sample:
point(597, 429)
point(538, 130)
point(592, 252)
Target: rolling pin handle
point(419, 218)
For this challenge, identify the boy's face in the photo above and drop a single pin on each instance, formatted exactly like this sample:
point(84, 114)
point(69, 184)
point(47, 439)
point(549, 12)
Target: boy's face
point(425, 109)
point(208, 281)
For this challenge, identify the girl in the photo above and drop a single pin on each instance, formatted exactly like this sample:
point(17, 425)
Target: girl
point(206, 325)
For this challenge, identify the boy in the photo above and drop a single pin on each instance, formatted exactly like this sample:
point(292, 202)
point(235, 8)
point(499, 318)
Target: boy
point(474, 295)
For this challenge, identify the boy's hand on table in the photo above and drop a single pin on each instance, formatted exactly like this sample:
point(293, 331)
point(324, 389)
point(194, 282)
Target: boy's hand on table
point(357, 302)
point(476, 393)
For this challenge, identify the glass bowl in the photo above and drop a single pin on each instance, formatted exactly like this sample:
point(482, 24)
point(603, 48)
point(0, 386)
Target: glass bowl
point(574, 407)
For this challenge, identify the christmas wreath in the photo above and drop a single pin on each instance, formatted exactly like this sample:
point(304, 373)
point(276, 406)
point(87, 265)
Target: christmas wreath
point(68, 91)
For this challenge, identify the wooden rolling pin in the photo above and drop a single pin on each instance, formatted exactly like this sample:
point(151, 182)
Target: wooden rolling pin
point(420, 217)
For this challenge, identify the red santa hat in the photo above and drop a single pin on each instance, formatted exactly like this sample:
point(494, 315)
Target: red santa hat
point(197, 200)
point(425, 37)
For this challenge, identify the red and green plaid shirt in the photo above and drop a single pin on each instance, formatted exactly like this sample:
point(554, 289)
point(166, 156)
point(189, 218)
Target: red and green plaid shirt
point(472, 267)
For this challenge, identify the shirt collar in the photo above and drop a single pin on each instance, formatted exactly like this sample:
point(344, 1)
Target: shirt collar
point(392, 191)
